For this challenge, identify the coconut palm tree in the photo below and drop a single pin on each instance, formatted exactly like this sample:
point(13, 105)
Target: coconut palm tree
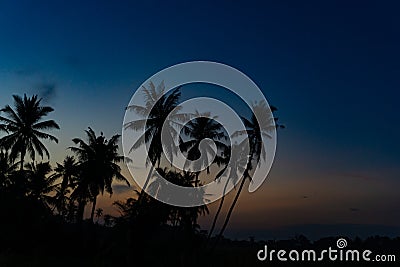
point(127, 209)
point(235, 160)
point(254, 131)
point(40, 184)
point(25, 127)
point(68, 172)
point(98, 167)
point(158, 110)
point(7, 169)
point(203, 127)
point(188, 216)
point(81, 195)
point(185, 217)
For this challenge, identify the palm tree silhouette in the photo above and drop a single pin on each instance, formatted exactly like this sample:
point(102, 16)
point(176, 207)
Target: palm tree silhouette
point(98, 167)
point(7, 169)
point(159, 109)
point(68, 172)
point(235, 160)
point(81, 195)
point(25, 126)
point(39, 183)
point(188, 216)
point(203, 127)
point(254, 130)
point(183, 217)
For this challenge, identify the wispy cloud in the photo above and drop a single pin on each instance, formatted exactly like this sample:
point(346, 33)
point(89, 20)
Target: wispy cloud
point(47, 91)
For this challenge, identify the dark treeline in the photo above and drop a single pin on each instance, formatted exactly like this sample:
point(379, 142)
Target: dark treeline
point(42, 206)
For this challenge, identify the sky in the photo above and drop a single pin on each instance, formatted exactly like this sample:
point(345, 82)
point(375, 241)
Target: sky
point(331, 67)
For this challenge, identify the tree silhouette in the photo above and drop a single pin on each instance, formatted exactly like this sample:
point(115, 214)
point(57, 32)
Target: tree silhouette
point(7, 169)
point(184, 217)
point(188, 215)
point(159, 109)
point(41, 203)
point(233, 165)
point(40, 184)
point(25, 127)
point(68, 172)
point(98, 167)
point(203, 127)
point(254, 130)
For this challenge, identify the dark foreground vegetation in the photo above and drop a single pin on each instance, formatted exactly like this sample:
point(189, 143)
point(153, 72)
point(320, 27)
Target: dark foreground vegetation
point(50, 243)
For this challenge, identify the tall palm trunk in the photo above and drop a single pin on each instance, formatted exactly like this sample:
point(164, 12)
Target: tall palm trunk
point(228, 216)
point(221, 203)
point(246, 175)
point(142, 192)
point(93, 209)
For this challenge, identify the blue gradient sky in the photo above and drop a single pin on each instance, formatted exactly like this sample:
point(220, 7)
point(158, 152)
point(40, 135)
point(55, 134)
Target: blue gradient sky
point(331, 67)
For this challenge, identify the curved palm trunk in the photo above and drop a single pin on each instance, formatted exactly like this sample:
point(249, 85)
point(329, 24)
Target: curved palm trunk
point(221, 203)
point(93, 209)
point(228, 216)
point(146, 183)
point(59, 200)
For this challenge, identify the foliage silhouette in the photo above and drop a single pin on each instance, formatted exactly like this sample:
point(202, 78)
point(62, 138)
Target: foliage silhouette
point(24, 125)
point(41, 202)
point(255, 130)
point(98, 167)
point(7, 169)
point(204, 126)
point(68, 171)
point(159, 109)
point(233, 166)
